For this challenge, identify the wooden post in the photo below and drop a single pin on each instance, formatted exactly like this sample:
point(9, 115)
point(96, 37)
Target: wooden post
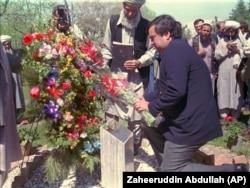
point(117, 155)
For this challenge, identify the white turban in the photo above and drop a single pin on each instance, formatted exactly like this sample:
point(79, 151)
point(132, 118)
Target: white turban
point(4, 38)
point(134, 2)
point(236, 25)
point(232, 24)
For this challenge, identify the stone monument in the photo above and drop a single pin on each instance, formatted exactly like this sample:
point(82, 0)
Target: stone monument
point(117, 155)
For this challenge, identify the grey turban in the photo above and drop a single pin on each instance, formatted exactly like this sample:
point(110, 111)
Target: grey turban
point(134, 2)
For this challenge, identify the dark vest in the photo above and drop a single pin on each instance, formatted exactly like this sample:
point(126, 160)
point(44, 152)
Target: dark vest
point(140, 42)
point(195, 45)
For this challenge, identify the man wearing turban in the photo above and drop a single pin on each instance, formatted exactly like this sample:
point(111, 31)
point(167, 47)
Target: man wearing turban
point(229, 52)
point(15, 65)
point(129, 27)
point(135, 2)
point(10, 150)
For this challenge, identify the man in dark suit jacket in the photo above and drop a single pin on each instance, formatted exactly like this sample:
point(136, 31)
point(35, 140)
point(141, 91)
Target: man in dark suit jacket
point(183, 99)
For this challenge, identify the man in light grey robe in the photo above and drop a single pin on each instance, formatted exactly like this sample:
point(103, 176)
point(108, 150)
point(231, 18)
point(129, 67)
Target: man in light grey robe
point(129, 20)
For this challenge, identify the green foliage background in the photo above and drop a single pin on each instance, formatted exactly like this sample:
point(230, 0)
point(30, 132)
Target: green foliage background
point(18, 17)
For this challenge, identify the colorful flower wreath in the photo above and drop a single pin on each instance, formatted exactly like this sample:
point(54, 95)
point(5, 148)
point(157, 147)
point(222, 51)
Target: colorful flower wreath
point(63, 88)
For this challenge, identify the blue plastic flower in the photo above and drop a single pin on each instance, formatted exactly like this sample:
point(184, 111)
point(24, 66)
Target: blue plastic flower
point(88, 147)
point(96, 144)
point(53, 73)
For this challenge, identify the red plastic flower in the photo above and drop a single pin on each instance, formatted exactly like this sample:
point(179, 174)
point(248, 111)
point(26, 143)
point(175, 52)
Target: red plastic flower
point(27, 39)
point(47, 38)
point(24, 122)
point(73, 136)
point(37, 36)
point(66, 85)
point(93, 120)
point(92, 94)
point(88, 74)
point(229, 118)
point(81, 121)
point(35, 92)
point(35, 55)
point(86, 47)
point(54, 92)
point(51, 32)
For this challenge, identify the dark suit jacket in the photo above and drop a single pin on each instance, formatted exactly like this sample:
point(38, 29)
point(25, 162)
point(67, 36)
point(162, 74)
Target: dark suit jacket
point(15, 62)
point(185, 97)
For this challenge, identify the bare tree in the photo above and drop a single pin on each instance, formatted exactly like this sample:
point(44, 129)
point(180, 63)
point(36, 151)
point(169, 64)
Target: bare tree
point(4, 5)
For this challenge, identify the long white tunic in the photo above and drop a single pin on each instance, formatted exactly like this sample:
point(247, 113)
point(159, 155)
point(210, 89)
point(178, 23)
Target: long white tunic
point(230, 89)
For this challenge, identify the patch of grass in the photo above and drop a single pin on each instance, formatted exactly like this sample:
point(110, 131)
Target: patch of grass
point(244, 150)
point(219, 142)
point(35, 132)
point(234, 128)
point(42, 139)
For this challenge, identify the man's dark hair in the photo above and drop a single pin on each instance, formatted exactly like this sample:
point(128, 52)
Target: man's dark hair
point(244, 25)
point(58, 7)
point(166, 23)
point(207, 24)
point(63, 13)
point(198, 20)
point(218, 24)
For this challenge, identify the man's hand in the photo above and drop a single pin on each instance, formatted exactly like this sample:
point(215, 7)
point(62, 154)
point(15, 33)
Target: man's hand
point(246, 51)
point(132, 64)
point(232, 47)
point(202, 53)
point(141, 105)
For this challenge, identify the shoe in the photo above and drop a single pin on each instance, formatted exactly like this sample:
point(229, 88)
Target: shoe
point(241, 168)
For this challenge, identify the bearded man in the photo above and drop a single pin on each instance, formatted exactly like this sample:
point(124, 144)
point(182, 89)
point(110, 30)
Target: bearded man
point(205, 45)
point(128, 28)
point(10, 150)
point(14, 59)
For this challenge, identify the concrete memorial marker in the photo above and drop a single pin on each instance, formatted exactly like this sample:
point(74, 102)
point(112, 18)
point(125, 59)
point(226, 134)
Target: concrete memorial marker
point(117, 155)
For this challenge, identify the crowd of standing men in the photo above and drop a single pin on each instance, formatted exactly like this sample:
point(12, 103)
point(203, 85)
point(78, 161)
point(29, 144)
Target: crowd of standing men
point(225, 52)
